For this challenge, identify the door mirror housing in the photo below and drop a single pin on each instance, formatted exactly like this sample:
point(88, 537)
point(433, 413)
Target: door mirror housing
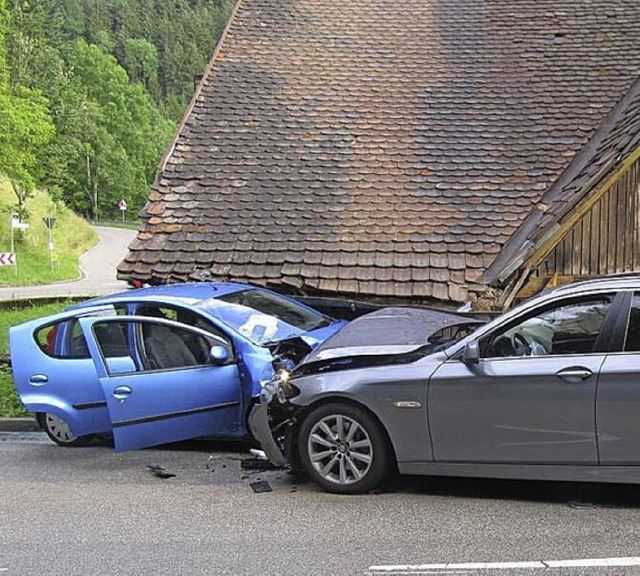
point(471, 353)
point(218, 355)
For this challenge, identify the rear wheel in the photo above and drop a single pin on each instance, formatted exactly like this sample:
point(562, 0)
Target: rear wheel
point(58, 430)
point(343, 449)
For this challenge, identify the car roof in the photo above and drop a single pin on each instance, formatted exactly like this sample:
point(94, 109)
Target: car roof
point(623, 281)
point(190, 293)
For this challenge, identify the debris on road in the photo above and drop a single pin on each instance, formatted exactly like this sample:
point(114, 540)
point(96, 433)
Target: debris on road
point(257, 464)
point(261, 486)
point(160, 471)
point(258, 454)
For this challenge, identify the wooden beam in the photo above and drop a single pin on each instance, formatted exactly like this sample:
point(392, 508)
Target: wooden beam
point(510, 295)
point(574, 217)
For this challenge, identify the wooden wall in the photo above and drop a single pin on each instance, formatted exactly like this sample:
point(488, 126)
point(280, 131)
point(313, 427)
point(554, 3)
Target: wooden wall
point(607, 238)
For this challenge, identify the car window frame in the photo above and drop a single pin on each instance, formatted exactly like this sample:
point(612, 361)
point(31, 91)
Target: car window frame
point(63, 324)
point(230, 344)
point(134, 323)
point(605, 339)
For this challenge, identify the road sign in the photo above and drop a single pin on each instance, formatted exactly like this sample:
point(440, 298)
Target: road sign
point(15, 223)
point(49, 222)
point(7, 259)
point(122, 204)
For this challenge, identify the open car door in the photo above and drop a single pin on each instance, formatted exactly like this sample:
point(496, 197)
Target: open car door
point(164, 381)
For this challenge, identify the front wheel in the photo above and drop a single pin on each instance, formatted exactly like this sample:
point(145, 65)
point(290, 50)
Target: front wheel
point(58, 430)
point(343, 449)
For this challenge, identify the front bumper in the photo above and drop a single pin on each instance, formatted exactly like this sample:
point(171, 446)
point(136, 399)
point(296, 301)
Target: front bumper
point(261, 430)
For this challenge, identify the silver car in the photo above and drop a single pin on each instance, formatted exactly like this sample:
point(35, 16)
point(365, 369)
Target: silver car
point(549, 390)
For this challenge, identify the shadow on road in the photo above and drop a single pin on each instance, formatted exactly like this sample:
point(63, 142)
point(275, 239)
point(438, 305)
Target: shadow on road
point(575, 494)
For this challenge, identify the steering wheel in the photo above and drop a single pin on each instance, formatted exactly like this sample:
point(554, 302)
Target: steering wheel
point(514, 344)
point(521, 345)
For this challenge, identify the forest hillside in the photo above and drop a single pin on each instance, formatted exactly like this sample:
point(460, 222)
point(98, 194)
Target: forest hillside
point(91, 92)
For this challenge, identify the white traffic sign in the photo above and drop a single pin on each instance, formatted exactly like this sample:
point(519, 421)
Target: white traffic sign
point(122, 204)
point(7, 259)
point(15, 223)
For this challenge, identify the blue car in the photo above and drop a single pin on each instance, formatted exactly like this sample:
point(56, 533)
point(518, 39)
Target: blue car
point(160, 364)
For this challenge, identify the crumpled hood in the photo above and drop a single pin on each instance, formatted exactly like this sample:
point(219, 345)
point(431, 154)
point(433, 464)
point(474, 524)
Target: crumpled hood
point(389, 331)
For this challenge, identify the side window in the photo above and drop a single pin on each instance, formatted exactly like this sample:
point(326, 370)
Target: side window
point(632, 342)
point(112, 339)
point(159, 347)
point(571, 328)
point(65, 339)
point(74, 344)
point(183, 316)
point(158, 312)
point(165, 347)
point(47, 338)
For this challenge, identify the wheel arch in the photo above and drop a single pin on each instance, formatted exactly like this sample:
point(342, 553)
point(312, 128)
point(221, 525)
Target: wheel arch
point(304, 411)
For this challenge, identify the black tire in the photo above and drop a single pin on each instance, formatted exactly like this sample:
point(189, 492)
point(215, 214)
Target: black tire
point(343, 449)
point(58, 431)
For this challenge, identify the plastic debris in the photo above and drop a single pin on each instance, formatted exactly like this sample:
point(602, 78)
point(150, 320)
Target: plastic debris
point(261, 486)
point(160, 471)
point(258, 454)
point(257, 464)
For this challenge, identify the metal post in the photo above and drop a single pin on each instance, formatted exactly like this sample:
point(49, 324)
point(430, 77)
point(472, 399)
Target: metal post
point(50, 249)
point(49, 222)
point(12, 242)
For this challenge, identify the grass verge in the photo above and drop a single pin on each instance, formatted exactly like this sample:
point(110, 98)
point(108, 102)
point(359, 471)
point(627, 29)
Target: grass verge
point(10, 406)
point(71, 237)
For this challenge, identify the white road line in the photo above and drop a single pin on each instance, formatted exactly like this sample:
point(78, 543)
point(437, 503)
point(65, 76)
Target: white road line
point(542, 564)
point(633, 561)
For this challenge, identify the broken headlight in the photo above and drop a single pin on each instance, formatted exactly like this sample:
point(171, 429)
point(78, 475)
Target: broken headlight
point(285, 388)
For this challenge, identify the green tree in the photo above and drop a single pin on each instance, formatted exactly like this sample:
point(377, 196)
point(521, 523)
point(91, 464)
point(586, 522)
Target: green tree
point(141, 62)
point(25, 125)
point(118, 133)
point(90, 91)
point(25, 130)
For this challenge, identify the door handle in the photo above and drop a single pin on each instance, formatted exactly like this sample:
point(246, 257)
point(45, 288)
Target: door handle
point(121, 392)
point(39, 379)
point(574, 373)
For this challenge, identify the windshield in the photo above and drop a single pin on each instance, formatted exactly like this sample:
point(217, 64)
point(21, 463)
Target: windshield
point(264, 317)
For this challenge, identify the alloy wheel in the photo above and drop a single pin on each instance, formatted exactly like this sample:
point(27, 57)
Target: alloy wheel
point(340, 449)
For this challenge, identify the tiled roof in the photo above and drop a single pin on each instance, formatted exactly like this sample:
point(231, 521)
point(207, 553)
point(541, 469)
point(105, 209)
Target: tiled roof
point(381, 148)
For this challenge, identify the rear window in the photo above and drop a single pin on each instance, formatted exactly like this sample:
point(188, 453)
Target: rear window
point(65, 339)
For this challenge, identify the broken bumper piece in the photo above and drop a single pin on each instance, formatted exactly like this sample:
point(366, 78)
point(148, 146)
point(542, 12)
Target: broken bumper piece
point(259, 425)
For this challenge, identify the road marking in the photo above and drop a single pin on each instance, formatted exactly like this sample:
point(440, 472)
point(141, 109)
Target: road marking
point(541, 564)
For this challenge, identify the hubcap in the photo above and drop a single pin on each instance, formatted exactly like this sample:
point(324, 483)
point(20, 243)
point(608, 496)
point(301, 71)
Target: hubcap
point(59, 428)
point(340, 449)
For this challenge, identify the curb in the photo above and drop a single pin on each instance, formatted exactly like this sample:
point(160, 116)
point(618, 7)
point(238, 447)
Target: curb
point(18, 425)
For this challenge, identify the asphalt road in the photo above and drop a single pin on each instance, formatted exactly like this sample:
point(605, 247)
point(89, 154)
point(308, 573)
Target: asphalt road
point(98, 267)
point(91, 511)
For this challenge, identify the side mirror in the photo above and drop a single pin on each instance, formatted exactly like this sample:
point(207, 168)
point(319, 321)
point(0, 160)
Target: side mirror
point(218, 355)
point(471, 353)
